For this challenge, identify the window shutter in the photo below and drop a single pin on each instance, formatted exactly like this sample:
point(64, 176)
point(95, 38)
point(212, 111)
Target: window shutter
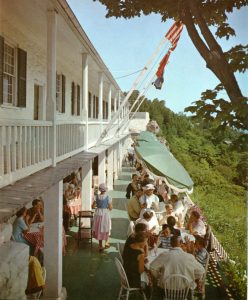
point(97, 107)
point(1, 67)
point(78, 100)
point(21, 77)
point(63, 93)
point(89, 105)
point(72, 97)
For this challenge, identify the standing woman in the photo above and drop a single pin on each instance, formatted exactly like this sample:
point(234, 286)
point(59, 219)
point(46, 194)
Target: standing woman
point(102, 220)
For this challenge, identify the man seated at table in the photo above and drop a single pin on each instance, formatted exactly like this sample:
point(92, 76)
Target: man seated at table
point(133, 206)
point(149, 200)
point(176, 261)
point(168, 212)
point(165, 237)
point(35, 213)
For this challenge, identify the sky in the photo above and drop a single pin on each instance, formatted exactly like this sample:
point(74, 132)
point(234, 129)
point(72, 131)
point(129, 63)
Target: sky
point(126, 45)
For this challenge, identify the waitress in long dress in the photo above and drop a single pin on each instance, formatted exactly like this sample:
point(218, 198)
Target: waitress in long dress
point(102, 220)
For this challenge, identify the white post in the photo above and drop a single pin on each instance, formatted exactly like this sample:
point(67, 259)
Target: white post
point(85, 93)
point(115, 102)
point(110, 168)
point(115, 161)
point(51, 80)
point(100, 96)
point(53, 242)
point(101, 168)
point(109, 102)
point(119, 116)
point(86, 193)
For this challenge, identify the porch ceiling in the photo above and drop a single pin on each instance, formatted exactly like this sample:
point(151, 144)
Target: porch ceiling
point(17, 195)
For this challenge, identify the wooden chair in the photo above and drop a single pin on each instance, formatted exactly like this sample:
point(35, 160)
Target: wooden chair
point(85, 222)
point(177, 287)
point(125, 287)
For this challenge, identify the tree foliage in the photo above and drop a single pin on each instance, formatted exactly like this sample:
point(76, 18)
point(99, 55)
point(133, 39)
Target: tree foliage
point(198, 16)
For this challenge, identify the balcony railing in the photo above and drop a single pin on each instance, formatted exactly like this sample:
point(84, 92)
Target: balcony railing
point(26, 146)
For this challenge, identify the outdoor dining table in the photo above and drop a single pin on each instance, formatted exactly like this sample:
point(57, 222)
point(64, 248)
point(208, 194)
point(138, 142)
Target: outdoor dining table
point(75, 205)
point(152, 254)
point(35, 236)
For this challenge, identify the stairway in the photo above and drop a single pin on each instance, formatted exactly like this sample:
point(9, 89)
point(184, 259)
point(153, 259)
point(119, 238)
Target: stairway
point(119, 215)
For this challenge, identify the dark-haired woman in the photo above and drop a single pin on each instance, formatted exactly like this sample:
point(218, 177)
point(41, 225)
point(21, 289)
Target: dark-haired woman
point(134, 259)
point(20, 227)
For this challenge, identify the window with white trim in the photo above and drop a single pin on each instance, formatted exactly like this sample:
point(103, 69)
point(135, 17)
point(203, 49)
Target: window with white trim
point(9, 75)
point(13, 74)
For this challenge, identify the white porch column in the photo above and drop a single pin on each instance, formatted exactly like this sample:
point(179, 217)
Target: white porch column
point(110, 168)
point(85, 93)
point(115, 102)
point(119, 117)
point(100, 96)
point(115, 162)
point(120, 155)
point(53, 207)
point(51, 80)
point(86, 193)
point(101, 168)
point(109, 102)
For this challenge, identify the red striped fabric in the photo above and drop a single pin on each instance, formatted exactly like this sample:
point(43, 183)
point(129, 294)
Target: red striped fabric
point(173, 35)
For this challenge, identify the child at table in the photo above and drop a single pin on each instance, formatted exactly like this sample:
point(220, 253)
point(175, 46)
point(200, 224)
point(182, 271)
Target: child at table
point(201, 256)
point(165, 237)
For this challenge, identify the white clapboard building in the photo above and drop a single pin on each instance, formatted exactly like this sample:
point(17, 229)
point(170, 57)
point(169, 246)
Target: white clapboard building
point(56, 98)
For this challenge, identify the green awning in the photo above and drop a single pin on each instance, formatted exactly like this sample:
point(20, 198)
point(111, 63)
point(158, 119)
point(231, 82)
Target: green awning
point(161, 162)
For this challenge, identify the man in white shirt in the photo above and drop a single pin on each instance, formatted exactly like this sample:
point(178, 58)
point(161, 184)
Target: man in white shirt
point(149, 200)
point(176, 261)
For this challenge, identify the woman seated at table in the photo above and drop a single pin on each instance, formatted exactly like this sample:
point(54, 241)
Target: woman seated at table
point(165, 237)
point(195, 225)
point(35, 213)
point(169, 212)
point(134, 259)
point(20, 227)
point(171, 221)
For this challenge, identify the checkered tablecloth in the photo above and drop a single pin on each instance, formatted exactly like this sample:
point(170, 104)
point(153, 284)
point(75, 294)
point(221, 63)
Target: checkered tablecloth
point(36, 239)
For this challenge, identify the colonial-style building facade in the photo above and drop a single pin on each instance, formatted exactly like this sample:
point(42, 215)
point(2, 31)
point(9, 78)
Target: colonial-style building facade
point(56, 98)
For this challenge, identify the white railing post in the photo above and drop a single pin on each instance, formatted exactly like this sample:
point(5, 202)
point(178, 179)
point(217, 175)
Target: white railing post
point(51, 79)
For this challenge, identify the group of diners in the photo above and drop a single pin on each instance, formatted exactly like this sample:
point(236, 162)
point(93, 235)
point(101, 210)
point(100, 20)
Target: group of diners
point(24, 219)
point(28, 229)
point(159, 222)
point(71, 197)
point(177, 256)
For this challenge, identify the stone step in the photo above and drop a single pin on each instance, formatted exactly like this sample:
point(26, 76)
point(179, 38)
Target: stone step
point(125, 176)
point(128, 169)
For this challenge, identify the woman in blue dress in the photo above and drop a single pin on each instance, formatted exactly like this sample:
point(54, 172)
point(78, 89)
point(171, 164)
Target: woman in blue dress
point(20, 227)
point(102, 220)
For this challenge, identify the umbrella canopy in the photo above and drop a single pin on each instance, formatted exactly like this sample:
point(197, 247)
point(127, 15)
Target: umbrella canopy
point(160, 161)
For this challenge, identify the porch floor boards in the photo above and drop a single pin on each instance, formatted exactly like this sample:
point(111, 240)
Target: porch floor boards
point(90, 275)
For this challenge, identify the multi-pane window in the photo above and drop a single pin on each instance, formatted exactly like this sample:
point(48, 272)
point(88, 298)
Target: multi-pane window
point(9, 75)
point(13, 74)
